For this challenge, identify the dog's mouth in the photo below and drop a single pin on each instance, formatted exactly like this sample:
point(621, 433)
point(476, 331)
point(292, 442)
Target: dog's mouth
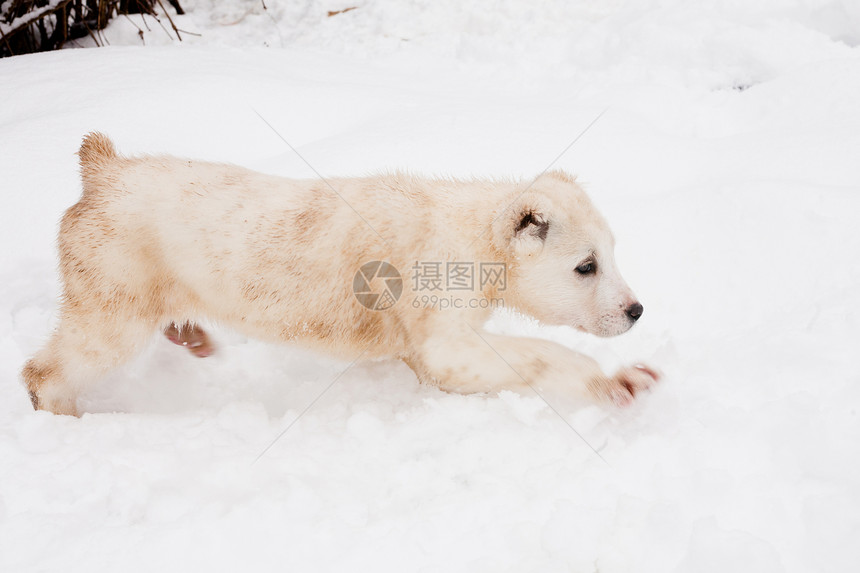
point(607, 329)
point(614, 329)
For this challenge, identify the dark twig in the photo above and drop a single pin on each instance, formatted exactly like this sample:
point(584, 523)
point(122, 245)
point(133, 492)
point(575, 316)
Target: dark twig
point(169, 19)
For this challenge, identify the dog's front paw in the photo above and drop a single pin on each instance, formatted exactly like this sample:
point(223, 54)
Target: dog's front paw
point(621, 388)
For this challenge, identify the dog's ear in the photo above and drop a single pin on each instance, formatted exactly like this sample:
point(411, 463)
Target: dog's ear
point(522, 228)
point(531, 224)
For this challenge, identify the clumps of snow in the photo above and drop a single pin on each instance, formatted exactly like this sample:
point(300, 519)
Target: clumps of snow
point(702, 44)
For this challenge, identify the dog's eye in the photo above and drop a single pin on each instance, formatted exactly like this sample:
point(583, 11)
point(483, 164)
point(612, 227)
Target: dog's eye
point(587, 268)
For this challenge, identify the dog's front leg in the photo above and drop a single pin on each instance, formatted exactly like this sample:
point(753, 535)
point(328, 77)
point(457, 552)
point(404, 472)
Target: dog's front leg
point(465, 359)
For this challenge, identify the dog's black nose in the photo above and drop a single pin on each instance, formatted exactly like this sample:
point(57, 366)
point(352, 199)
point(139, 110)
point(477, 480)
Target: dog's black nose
point(634, 311)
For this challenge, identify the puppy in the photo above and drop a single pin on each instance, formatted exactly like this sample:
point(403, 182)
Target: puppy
point(384, 266)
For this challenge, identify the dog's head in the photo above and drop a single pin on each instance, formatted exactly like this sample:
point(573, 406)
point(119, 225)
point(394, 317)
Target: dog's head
point(561, 255)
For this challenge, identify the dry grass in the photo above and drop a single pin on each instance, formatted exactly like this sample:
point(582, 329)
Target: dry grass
point(28, 26)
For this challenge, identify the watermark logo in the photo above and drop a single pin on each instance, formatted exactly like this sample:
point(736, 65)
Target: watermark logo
point(429, 276)
point(377, 285)
point(440, 285)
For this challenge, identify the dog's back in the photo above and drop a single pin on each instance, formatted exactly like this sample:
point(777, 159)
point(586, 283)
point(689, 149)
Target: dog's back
point(176, 239)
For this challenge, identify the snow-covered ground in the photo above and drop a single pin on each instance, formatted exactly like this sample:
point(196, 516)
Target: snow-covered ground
point(727, 162)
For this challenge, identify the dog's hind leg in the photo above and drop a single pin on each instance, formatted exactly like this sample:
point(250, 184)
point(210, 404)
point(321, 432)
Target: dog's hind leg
point(85, 346)
point(191, 337)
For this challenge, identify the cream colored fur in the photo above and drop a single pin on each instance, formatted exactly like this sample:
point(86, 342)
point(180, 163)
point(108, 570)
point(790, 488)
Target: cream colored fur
point(157, 241)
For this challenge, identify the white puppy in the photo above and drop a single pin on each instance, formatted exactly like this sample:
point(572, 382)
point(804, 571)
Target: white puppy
point(384, 266)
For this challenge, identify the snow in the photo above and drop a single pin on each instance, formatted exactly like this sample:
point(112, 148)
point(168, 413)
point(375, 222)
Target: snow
point(727, 163)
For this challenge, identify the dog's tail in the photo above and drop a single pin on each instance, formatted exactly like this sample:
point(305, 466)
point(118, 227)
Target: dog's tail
point(96, 151)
